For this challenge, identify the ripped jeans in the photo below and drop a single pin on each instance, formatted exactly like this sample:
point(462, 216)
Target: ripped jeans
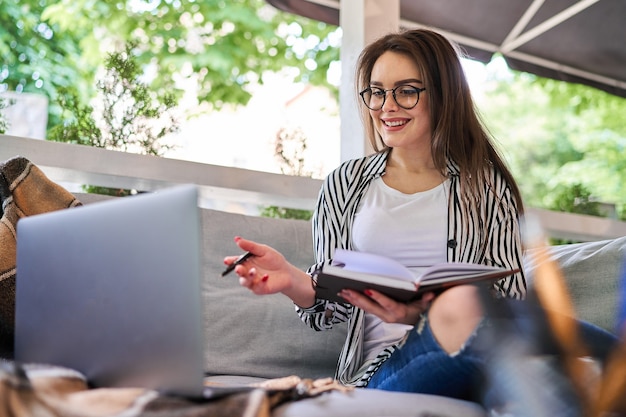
point(421, 365)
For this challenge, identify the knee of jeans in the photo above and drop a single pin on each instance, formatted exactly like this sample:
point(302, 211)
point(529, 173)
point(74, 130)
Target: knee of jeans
point(469, 341)
point(458, 303)
point(454, 316)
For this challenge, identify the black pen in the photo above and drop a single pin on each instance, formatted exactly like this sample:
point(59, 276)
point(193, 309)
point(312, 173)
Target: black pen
point(238, 261)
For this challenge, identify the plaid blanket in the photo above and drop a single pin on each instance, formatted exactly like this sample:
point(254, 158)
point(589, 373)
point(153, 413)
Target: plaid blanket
point(24, 191)
point(38, 390)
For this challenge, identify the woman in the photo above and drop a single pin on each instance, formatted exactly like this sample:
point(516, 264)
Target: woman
point(434, 191)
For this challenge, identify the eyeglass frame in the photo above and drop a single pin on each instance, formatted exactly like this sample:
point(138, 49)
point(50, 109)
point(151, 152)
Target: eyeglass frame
point(393, 93)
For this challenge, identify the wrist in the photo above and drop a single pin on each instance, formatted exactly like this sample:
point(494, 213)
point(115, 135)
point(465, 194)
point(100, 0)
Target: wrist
point(300, 289)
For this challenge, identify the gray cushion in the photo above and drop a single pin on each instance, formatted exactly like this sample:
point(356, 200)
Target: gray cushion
point(246, 334)
point(260, 335)
point(372, 402)
point(591, 271)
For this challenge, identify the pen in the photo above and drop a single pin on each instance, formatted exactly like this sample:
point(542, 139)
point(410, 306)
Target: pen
point(238, 261)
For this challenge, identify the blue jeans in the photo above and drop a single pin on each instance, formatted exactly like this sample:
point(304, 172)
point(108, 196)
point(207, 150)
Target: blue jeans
point(421, 365)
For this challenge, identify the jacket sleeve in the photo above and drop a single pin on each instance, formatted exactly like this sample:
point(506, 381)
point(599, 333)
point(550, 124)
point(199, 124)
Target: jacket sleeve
point(328, 226)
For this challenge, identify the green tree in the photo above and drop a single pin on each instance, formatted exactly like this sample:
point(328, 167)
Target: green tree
point(130, 115)
point(37, 56)
point(222, 47)
point(575, 199)
point(557, 136)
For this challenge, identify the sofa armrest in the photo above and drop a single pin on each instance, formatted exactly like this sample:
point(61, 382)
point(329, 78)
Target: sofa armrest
point(591, 271)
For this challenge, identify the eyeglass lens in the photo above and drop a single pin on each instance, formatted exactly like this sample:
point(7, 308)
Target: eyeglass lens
point(405, 96)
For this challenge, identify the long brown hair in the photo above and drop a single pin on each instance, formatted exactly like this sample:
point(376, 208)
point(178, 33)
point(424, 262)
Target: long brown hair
point(458, 132)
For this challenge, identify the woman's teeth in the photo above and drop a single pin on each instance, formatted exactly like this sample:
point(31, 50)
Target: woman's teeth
point(395, 123)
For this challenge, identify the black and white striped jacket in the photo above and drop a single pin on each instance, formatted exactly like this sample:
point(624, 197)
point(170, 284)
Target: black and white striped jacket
point(490, 236)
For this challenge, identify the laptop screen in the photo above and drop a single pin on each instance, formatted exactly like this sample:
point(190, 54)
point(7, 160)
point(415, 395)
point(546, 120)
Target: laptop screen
point(113, 290)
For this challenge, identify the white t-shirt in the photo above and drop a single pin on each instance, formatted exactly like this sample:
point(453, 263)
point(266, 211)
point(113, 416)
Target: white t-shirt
point(410, 228)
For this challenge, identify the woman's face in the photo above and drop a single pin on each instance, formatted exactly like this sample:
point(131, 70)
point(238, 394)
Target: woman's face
point(399, 127)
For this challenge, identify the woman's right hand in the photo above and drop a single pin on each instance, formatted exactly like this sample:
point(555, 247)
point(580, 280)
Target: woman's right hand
point(268, 272)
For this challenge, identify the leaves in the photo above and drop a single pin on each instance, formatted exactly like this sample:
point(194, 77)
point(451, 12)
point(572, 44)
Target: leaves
point(129, 117)
point(559, 136)
point(221, 41)
point(222, 46)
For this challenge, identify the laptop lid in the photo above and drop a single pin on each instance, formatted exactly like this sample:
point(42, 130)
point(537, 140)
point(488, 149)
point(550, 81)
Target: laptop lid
point(113, 290)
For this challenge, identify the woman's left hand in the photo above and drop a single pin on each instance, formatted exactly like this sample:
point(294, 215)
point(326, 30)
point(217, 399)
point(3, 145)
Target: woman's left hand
point(387, 309)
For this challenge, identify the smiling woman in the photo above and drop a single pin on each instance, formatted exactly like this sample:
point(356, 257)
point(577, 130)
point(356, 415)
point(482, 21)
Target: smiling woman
point(429, 193)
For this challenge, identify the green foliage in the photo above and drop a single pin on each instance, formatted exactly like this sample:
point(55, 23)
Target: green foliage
point(4, 123)
point(130, 116)
point(286, 213)
point(575, 199)
point(221, 47)
point(115, 192)
point(80, 126)
point(39, 57)
point(559, 136)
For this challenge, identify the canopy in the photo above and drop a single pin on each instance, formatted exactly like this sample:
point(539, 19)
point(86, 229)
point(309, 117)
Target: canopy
point(576, 41)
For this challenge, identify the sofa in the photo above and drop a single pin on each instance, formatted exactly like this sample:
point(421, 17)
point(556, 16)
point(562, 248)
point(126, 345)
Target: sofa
point(261, 338)
point(272, 342)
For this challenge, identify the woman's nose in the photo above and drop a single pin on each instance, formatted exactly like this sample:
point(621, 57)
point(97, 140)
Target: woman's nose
point(390, 102)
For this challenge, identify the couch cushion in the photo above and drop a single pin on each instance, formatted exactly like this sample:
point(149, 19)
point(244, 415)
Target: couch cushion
point(260, 335)
point(363, 402)
point(372, 402)
point(591, 270)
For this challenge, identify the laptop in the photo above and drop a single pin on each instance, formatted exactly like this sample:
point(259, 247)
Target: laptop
point(113, 290)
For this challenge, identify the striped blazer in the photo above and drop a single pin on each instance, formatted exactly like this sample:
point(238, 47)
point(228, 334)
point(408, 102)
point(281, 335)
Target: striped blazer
point(490, 236)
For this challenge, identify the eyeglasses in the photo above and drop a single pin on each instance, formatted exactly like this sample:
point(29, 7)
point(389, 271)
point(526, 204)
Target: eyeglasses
point(406, 96)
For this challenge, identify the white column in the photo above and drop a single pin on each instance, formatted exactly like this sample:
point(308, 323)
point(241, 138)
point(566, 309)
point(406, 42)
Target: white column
point(361, 21)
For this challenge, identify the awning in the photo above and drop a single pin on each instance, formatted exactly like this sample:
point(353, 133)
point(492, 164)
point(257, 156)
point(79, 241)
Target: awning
point(576, 41)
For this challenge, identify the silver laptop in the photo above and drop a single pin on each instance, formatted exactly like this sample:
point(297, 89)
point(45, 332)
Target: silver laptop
point(113, 290)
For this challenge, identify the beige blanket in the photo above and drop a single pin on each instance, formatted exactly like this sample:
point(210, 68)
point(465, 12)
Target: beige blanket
point(43, 391)
point(52, 391)
point(24, 191)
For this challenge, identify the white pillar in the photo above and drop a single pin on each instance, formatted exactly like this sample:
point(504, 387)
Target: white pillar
point(361, 21)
